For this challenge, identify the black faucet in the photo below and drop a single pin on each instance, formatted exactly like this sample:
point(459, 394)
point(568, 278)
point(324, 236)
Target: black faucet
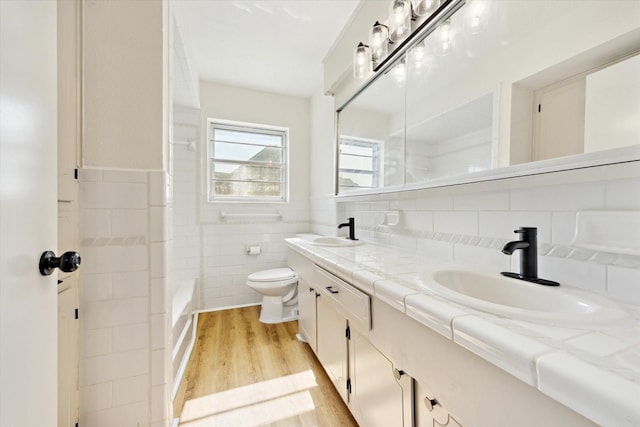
point(528, 244)
point(352, 228)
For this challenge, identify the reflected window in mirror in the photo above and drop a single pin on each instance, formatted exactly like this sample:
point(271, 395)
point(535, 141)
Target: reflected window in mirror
point(360, 163)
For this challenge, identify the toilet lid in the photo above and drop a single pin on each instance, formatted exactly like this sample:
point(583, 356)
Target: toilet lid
point(272, 275)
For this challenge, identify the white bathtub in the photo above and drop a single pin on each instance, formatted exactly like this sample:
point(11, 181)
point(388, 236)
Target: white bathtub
point(184, 328)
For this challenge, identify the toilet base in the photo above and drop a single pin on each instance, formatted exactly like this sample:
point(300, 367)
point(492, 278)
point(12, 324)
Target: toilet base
point(273, 311)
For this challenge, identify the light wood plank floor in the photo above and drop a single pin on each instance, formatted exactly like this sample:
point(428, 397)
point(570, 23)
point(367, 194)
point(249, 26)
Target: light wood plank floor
point(245, 373)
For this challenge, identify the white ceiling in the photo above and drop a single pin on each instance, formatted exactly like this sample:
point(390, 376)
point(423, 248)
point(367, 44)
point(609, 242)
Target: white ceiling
point(270, 45)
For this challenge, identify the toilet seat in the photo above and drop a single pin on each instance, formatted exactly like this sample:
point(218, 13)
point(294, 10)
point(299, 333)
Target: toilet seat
point(273, 275)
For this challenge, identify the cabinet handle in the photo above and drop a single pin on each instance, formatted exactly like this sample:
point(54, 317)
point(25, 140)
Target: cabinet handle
point(311, 289)
point(330, 289)
point(430, 403)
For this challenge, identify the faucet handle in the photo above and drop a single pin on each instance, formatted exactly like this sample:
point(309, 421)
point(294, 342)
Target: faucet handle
point(525, 230)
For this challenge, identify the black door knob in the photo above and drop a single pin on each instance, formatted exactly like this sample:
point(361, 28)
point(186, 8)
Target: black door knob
point(68, 262)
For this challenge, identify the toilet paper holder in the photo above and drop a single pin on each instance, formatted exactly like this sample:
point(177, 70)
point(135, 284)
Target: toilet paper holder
point(253, 249)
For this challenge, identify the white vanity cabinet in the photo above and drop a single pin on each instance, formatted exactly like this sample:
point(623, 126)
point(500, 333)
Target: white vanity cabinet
point(381, 395)
point(364, 343)
point(377, 394)
point(429, 412)
point(307, 295)
point(307, 318)
point(332, 345)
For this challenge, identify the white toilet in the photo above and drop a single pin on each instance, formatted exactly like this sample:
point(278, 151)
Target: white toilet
point(279, 290)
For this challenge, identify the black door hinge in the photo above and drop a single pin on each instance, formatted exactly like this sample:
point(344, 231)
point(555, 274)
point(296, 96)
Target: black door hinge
point(349, 385)
point(76, 313)
point(539, 107)
point(347, 333)
point(75, 175)
point(76, 424)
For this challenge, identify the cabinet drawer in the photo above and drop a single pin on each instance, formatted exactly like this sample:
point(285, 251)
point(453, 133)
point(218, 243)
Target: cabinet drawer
point(355, 303)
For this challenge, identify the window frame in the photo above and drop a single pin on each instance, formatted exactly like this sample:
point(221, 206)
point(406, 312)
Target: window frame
point(376, 159)
point(246, 127)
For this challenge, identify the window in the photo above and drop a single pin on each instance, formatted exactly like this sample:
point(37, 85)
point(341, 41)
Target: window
point(359, 163)
point(247, 162)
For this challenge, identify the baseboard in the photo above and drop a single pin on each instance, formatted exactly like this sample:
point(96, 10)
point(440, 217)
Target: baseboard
point(210, 310)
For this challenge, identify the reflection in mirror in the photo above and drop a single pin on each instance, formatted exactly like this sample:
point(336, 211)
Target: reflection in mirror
point(371, 139)
point(498, 84)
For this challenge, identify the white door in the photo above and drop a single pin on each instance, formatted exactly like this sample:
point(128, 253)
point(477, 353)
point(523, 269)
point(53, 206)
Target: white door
point(559, 128)
point(28, 301)
point(67, 321)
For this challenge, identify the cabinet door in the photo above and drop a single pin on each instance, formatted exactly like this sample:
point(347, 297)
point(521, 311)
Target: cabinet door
point(332, 344)
point(307, 317)
point(377, 398)
point(429, 412)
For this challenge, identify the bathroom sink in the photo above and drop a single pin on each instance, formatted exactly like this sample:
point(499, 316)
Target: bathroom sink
point(335, 241)
point(524, 300)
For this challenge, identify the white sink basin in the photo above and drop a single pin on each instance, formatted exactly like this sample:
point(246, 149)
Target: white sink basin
point(335, 241)
point(524, 300)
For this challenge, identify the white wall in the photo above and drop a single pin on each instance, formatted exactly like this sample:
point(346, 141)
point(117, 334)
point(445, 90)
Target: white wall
point(123, 62)
point(222, 260)
point(612, 106)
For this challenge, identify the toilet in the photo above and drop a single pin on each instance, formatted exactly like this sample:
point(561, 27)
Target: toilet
point(279, 290)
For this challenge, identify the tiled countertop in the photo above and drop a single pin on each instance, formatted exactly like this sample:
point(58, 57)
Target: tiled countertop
point(594, 372)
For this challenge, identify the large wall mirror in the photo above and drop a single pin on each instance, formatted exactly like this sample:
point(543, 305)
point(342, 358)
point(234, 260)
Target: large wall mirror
point(499, 84)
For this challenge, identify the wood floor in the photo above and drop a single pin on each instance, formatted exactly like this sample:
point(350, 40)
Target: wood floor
point(245, 373)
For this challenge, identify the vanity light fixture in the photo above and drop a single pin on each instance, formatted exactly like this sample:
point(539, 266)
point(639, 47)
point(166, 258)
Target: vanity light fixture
point(388, 41)
point(399, 20)
point(379, 42)
point(361, 61)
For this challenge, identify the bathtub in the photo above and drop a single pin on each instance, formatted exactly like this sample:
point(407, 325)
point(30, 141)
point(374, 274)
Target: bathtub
point(184, 328)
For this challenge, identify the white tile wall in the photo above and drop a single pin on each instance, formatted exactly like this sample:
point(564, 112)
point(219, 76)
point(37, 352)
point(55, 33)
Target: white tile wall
point(211, 249)
point(185, 207)
point(470, 224)
point(125, 242)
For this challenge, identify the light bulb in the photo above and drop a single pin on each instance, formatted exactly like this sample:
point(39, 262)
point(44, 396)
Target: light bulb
point(399, 20)
point(361, 61)
point(425, 7)
point(378, 41)
point(445, 44)
point(399, 73)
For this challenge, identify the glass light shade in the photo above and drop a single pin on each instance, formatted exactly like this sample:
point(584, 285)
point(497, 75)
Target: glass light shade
point(361, 61)
point(419, 58)
point(444, 40)
point(399, 20)
point(475, 16)
point(399, 72)
point(425, 7)
point(378, 42)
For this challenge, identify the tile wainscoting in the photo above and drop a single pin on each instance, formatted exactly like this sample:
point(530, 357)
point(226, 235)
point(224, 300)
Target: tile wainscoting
point(469, 224)
point(125, 352)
